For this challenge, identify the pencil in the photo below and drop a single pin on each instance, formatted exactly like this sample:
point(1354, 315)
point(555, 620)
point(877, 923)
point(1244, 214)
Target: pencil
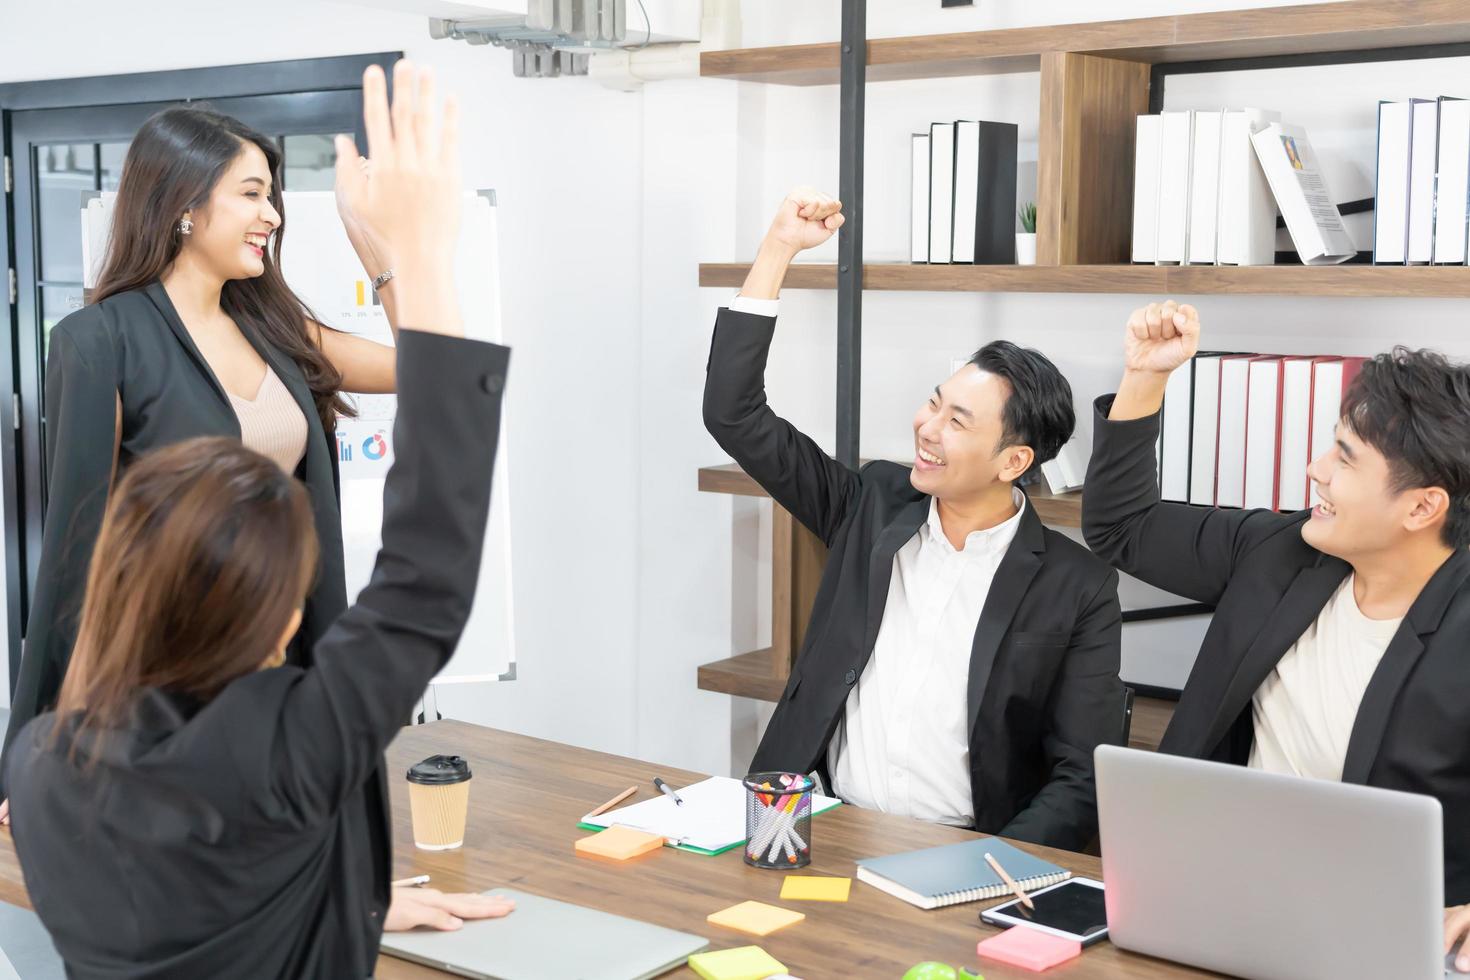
point(614, 801)
point(1010, 881)
point(409, 882)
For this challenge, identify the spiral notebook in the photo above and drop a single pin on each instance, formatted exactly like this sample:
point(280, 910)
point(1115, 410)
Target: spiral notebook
point(956, 873)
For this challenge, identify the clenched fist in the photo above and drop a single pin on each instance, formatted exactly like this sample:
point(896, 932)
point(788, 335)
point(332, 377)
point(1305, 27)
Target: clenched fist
point(806, 219)
point(1161, 337)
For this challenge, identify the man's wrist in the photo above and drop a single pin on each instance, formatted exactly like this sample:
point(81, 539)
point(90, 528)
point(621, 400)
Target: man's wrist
point(776, 250)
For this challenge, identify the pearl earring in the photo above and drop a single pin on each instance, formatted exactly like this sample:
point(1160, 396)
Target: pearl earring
point(186, 227)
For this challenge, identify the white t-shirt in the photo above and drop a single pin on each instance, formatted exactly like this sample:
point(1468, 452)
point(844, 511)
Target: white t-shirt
point(1304, 711)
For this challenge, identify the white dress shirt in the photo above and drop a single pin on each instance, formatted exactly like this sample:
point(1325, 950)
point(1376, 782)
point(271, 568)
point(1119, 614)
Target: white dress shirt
point(903, 745)
point(760, 307)
point(1304, 712)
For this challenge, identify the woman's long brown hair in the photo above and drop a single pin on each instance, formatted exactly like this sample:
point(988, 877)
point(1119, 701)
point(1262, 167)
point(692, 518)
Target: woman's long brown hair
point(172, 166)
point(206, 550)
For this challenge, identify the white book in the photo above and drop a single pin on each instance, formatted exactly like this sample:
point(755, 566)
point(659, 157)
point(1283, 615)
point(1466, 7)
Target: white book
point(1391, 196)
point(1296, 432)
point(941, 191)
point(1302, 194)
point(1330, 378)
point(1247, 218)
point(1206, 428)
point(1067, 470)
point(1175, 433)
point(1146, 188)
point(1176, 141)
point(919, 202)
point(1452, 183)
point(1204, 188)
point(1262, 432)
point(966, 189)
point(1423, 157)
point(1230, 452)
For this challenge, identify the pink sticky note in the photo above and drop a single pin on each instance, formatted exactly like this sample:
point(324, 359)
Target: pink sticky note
point(1030, 949)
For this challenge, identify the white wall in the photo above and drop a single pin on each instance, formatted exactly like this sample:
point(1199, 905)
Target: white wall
point(627, 578)
point(566, 159)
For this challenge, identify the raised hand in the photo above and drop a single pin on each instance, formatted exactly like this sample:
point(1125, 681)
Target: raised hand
point(411, 203)
point(806, 219)
point(1161, 337)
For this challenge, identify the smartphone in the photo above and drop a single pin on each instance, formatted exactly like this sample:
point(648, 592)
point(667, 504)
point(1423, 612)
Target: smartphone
point(1073, 909)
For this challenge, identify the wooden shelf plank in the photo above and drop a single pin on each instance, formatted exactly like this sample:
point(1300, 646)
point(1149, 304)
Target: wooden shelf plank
point(1281, 280)
point(1352, 25)
point(1057, 510)
point(749, 675)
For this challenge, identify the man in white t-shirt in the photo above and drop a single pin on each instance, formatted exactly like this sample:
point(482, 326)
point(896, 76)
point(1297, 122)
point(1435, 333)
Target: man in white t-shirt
point(1338, 645)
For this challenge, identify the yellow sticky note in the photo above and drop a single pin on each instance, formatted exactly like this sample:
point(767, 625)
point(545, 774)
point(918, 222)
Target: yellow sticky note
point(741, 963)
point(618, 844)
point(808, 888)
point(756, 918)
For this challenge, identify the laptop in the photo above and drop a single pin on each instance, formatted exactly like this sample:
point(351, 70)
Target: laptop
point(1269, 876)
point(544, 939)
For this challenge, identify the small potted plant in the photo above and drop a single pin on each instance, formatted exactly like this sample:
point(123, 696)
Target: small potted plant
point(1026, 237)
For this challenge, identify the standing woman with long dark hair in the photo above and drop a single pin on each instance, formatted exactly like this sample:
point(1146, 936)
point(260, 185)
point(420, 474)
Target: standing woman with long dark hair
point(191, 331)
point(195, 807)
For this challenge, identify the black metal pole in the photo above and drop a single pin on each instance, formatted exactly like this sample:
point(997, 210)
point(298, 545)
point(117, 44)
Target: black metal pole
point(850, 237)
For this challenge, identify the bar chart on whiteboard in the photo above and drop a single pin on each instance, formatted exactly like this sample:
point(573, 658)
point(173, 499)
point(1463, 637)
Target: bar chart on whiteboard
point(320, 265)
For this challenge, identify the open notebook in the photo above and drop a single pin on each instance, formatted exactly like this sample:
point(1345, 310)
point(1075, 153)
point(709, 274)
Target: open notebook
point(711, 821)
point(955, 873)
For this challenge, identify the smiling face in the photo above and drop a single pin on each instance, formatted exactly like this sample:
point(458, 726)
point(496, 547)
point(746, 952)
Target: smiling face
point(957, 433)
point(231, 231)
point(1361, 513)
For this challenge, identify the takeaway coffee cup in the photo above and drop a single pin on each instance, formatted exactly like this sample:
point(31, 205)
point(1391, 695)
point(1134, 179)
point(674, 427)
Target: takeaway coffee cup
point(439, 799)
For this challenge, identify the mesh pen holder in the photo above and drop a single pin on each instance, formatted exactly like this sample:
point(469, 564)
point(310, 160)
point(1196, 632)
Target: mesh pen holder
point(778, 820)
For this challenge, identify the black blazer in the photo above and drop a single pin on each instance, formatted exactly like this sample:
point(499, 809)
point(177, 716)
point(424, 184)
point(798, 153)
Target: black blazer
point(234, 838)
point(133, 345)
point(1267, 585)
point(1043, 689)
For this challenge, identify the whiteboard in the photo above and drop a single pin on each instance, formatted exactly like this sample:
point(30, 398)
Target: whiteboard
point(318, 262)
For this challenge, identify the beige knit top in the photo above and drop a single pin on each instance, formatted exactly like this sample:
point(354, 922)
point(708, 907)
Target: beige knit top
point(272, 424)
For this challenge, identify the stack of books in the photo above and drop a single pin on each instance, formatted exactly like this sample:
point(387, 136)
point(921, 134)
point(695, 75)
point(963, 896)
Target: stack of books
point(1239, 429)
point(1208, 186)
point(1423, 182)
point(964, 193)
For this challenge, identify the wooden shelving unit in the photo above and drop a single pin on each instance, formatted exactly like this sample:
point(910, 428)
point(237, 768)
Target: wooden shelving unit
point(1095, 79)
point(1303, 29)
point(1266, 280)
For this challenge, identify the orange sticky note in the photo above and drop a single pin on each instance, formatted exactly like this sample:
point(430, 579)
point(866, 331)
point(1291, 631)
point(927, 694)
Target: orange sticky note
point(756, 918)
point(812, 888)
point(618, 844)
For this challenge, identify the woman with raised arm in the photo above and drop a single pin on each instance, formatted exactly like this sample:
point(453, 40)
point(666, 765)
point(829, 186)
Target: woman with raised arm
point(195, 806)
point(192, 331)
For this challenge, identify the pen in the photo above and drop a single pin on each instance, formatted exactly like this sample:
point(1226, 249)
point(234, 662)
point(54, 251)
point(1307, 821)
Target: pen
point(663, 788)
point(415, 880)
point(1010, 881)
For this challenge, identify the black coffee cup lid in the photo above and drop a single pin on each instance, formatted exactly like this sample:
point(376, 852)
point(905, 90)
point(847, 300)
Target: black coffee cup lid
point(438, 769)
